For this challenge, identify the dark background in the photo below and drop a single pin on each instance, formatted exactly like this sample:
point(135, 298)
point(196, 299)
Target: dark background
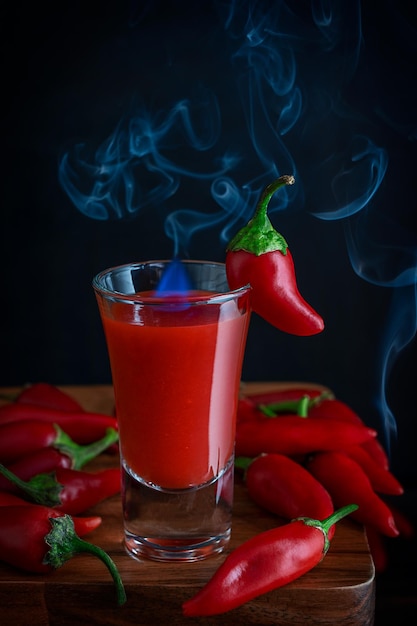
point(187, 101)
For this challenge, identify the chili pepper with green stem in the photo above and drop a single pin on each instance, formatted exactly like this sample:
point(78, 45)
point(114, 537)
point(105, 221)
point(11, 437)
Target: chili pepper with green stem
point(292, 435)
point(280, 397)
point(265, 562)
point(260, 257)
point(82, 426)
point(269, 404)
point(39, 540)
point(318, 404)
point(47, 395)
point(83, 525)
point(285, 488)
point(344, 479)
point(40, 462)
point(67, 490)
point(19, 439)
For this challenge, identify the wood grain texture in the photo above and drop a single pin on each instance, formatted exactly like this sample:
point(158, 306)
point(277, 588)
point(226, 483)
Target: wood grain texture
point(340, 590)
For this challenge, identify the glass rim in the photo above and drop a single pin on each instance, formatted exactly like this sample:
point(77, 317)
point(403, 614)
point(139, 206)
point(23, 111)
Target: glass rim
point(217, 297)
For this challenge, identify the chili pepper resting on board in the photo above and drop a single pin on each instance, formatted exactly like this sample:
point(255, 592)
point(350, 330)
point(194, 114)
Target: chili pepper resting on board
point(259, 256)
point(81, 426)
point(382, 480)
point(269, 404)
point(19, 439)
point(320, 404)
point(265, 562)
point(44, 394)
point(67, 490)
point(83, 525)
point(39, 540)
point(344, 479)
point(336, 409)
point(293, 435)
point(39, 462)
point(285, 488)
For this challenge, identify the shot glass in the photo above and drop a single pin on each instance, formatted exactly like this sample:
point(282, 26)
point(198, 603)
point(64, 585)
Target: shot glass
point(176, 350)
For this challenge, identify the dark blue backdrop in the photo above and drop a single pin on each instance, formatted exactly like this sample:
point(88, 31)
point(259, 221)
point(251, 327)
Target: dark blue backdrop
point(140, 130)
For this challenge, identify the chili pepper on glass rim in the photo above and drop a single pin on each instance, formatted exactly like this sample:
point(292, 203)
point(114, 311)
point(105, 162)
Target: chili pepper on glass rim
point(260, 257)
point(265, 562)
point(39, 540)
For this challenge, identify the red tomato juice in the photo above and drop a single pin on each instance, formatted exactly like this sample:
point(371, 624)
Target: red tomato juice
point(176, 378)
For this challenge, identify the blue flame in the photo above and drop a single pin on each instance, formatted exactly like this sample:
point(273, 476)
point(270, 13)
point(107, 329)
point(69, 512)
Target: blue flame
point(174, 281)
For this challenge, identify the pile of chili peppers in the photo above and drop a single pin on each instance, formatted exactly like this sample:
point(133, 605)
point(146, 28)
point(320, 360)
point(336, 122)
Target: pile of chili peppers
point(46, 438)
point(303, 453)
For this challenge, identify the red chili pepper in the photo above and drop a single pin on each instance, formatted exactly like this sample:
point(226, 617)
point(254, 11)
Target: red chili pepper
point(83, 525)
point(247, 410)
point(67, 490)
point(258, 406)
point(292, 435)
point(267, 561)
point(285, 488)
point(403, 523)
point(345, 480)
point(377, 542)
point(37, 539)
point(9, 499)
point(259, 256)
point(82, 426)
point(321, 405)
point(40, 462)
point(44, 394)
point(19, 439)
point(336, 409)
point(382, 480)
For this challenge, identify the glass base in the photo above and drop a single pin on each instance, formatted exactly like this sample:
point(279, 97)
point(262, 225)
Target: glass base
point(177, 525)
point(155, 549)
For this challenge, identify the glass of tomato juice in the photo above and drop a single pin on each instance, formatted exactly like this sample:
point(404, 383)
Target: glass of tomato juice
point(176, 358)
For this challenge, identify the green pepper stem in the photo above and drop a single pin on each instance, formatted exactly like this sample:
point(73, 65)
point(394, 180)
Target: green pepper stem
point(303, 406)
point(65, 543)
point(328, 522)
point(42, 489)
point(300, 406)
point(243, 462)
point(81, 454)
point(259, 236)
point(268, 192)
point(335, 517)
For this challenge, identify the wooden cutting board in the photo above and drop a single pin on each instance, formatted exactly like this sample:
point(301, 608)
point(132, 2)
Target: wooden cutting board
point(340, 590)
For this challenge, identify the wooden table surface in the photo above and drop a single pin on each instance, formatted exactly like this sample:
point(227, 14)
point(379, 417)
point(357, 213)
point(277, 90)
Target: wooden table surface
point(339, 591)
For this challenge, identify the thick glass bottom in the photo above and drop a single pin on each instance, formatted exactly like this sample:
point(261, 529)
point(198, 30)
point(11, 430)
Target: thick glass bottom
point(177, 525)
